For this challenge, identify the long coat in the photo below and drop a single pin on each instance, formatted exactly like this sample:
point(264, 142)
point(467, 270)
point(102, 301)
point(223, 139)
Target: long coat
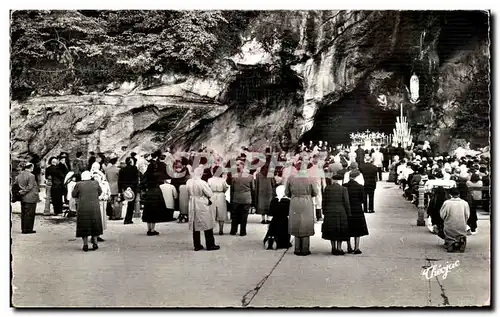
point(455, 213)
point(88, 219)
point(264, 193)
point(112, 175)
point(219, 187)
point(155, 209)
point(336, 209)
point(356, 220)
point(200, 215)
point(301, 191)
point(183, 200)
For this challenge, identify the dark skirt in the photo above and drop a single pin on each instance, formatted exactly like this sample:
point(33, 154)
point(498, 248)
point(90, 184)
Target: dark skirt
point(335, 227)
point(357, 222)
point(155, 210)
point(89, 222)
point(278, 229)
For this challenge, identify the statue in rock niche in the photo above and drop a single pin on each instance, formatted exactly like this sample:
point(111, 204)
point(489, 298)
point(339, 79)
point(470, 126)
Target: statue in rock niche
point(414, 89)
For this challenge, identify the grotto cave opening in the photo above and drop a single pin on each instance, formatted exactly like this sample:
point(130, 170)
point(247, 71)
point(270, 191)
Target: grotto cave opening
point(355, 112)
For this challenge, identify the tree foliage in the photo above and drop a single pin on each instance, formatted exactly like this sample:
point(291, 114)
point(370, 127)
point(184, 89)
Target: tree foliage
point(54, 51)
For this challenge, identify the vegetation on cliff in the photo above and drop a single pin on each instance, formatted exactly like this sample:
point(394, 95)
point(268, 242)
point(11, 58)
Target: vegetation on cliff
point(67, 51)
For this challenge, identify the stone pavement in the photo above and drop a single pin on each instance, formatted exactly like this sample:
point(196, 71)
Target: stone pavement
point(133, 270)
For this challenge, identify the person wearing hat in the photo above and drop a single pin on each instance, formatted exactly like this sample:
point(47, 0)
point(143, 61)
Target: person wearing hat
point(29, 198)
point(88, 217)
point(356, 220)
point(155, 210)
point(455, 212)
point(354, 166)
point(336, 210)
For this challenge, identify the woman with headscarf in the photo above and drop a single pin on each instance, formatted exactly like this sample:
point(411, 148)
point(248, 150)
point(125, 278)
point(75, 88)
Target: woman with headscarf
point(56, 176)
point(88, 219)
point(219, 187)
point(200, 216)
point(336, 210)
point(277, 236)
point(301, 190)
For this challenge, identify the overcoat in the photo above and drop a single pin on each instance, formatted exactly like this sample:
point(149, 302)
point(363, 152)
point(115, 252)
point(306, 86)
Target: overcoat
point(183, 200)
point(264, 193)
point(356, 220)
point(88, 219)
point(301, 191)
point(336, 210)
point(219, 187)
point(155, 210)
point(200, 215)
point(112, 174)
point(455, 212)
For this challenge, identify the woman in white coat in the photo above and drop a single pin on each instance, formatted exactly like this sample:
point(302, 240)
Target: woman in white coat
point(219, 187)
point(201, 217)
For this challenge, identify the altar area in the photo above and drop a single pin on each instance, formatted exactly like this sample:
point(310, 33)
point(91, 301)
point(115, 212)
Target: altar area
point(369, 140)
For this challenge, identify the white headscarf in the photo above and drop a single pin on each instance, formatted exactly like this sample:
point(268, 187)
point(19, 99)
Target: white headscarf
point(198, 172)
point(86, 176)
point(280, 191)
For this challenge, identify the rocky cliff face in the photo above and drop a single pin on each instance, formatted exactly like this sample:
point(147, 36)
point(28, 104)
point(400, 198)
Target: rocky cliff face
point(320, 77)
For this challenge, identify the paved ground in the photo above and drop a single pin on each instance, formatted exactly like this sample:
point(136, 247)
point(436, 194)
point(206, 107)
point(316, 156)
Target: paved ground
point(132, 269)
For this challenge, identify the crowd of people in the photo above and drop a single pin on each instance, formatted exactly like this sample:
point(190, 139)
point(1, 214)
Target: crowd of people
point(291, 190)
point(455, 187)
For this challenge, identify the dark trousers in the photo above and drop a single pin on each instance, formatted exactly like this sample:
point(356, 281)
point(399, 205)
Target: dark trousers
point(369, 195)
point(239, 216)
point(318, 214)
point(302, 244)
point(130, 209)
point(209, 238)
point(472, 221)
point(27, 216)
point(56, 193)
point(379, 173)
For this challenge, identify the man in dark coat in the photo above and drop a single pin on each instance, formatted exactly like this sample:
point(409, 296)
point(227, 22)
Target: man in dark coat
point(128, 177)
point(79, 165)
point(29, 198)
point(369, 172)
point(242, 189)
point(360, 155)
